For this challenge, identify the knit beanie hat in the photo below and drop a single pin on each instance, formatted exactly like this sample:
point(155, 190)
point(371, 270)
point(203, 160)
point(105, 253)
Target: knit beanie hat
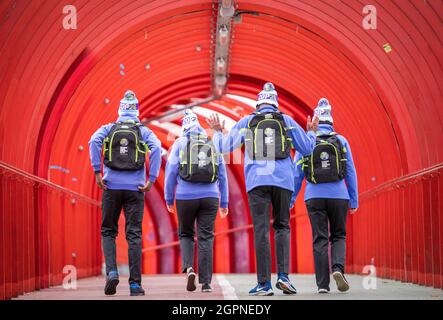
point(324, 110)
point(268, 95)
point(129, 104)
point(189, 120)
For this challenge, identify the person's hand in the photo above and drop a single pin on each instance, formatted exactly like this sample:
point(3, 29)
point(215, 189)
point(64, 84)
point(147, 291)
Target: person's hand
point(224, 212)
point(100, 182)
point(171, 208)
point(146, 187)
point(312, 125)
point(353, 210)
point(215, 123)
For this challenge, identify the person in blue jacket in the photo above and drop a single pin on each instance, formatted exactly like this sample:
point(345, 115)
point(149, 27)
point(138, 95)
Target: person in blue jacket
point(328, 203)
point(269, 180)
point(195, 202)
point(123, 184)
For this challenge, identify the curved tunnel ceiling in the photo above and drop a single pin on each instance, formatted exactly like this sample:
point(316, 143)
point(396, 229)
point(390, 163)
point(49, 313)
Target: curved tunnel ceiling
point(57, 86)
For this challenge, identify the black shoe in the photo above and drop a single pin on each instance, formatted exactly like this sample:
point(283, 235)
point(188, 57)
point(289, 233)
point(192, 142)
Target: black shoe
point(342, 283)
point(136, 290)
point(206, 288)
point(322, 290)
point(190, 286)
point(111, 283)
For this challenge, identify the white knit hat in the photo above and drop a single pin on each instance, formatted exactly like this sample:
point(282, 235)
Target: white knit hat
point(268, 95)
point(189, 120)
point(324, 110)
point(129, 104)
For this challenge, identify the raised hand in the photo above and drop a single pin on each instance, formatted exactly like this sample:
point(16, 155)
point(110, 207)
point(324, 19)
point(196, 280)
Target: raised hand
point(312, 125)
point(215, 123)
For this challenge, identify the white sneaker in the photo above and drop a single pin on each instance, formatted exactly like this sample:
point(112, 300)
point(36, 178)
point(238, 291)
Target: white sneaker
point(323, 290)
point(342, 283)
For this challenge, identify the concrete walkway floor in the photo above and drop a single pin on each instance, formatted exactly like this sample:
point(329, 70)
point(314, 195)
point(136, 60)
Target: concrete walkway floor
point(236, 286)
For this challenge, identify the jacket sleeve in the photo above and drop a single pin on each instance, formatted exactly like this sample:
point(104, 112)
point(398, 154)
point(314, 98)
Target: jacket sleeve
point(223, 182)
point(154, 146)
point(303, 142)
point(299, 176)
point(351, 176)
point(95, 147)
point(233, 139)
point(171, 173)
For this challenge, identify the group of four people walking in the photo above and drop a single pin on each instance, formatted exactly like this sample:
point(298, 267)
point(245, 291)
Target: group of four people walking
point(196, 188)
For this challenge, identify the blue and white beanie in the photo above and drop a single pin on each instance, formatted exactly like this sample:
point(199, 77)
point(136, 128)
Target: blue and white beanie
point(189, 120)
point(129, 104)
point(268, 95)
point(324, 110)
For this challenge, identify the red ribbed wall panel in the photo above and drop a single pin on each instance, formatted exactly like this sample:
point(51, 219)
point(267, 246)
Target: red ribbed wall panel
point(54, 83)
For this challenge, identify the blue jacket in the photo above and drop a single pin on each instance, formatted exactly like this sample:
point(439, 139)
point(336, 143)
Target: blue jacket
point(125, 180)
point(343, 189)
point(277, 173)
point(176, 187)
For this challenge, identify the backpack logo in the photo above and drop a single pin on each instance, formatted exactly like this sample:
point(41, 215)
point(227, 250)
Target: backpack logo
point(202, 157)
point(124, 151)
point(269, 136)
point(124, 147)
point(325, 163)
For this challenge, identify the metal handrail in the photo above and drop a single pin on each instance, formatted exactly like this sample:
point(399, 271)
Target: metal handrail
point(402, 181)
point(397, 182)
point(41, 181)
point(386, 186)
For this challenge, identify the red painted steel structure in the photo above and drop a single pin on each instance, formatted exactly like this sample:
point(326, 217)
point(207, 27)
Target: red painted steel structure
point(35, 247)
point(54, 83)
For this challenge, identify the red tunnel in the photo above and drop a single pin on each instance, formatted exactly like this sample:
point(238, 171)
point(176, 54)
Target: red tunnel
point(58, 86)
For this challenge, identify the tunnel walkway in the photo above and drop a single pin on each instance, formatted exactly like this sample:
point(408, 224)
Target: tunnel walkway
point(233, 287)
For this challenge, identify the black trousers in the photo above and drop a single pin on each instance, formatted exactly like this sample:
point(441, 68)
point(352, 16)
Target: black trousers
point(328, 217)
point(260, 199)
point(204, 211)
point(133, 204)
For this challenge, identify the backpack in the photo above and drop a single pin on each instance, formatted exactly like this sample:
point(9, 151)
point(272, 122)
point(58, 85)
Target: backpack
point(198, 160)
point(327, 162)
point(267, 132)
point(124, 148)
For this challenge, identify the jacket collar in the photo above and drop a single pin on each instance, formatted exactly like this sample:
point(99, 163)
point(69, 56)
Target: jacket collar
point(194, 130)
point(266, 108)
point(124, 118)
point(325, 128)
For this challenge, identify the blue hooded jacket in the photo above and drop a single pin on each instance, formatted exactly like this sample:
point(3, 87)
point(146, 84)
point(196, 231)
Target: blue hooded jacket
point(343, 189)
point(277, 173)
point(125, 180)
point(176, 187)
